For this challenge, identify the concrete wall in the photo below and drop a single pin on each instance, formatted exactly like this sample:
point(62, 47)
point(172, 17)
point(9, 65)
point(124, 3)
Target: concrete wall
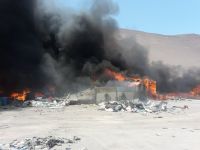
point(115, 93)
point(105, 94)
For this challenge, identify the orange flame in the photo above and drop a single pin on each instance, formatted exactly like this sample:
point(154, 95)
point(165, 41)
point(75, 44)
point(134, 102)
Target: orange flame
point(196, 91)
point(116, 75)
point(135, 80)
point(20, 95)
point(150, 86)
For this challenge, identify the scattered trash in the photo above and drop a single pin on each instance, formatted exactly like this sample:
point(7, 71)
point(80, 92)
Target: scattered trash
point(55, 103)
point(76, 138)
point(133, 106)
point(37, 143)
point(158, 117)
point(184, 107)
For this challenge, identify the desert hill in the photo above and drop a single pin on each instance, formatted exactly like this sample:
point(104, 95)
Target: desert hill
point(181, 50)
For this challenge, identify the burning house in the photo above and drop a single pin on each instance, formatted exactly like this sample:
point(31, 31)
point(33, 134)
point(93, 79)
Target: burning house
point(121, 87)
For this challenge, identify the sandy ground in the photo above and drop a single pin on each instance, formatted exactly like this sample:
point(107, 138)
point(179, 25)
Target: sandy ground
point(100, 130)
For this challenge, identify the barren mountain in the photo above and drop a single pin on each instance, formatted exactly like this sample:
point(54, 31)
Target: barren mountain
point(181, 50)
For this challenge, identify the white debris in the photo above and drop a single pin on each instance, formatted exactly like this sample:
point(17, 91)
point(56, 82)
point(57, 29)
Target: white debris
point(87, 94)
point(56, 103)
point(134, 106)
point(102, 106)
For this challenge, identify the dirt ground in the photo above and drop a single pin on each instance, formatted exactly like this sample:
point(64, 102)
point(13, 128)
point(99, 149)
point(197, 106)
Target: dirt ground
point(100, 130)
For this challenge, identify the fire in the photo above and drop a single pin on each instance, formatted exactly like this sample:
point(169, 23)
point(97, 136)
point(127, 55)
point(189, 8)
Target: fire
point(20, 95)
point(115, 75)
point(196, 91)
point(150, 86)
point(135, 80)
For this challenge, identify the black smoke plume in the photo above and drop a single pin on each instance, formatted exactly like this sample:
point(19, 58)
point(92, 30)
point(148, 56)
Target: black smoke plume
point(20, 46)
point(43, 45)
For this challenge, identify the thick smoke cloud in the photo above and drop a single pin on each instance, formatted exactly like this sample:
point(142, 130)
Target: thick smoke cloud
point(174, 78)
point(20, 46)
point(79, 45)
point(42, 45)
point(168, 78)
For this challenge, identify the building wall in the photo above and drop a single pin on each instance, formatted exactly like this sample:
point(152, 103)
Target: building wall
point(115, 93)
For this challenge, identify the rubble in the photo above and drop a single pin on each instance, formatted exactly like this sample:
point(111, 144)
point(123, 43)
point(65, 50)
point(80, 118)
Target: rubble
point(38, 143)
point(83, 97)
point(134, 106)
point(54, 103)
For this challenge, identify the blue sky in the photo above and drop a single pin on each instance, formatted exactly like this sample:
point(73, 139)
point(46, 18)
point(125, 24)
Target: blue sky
point(156, 16)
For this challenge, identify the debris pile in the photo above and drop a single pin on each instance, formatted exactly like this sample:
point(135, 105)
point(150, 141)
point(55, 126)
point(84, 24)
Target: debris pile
point(84, 97)
point(134, 106)
point(37, 143)
point(53, 103)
